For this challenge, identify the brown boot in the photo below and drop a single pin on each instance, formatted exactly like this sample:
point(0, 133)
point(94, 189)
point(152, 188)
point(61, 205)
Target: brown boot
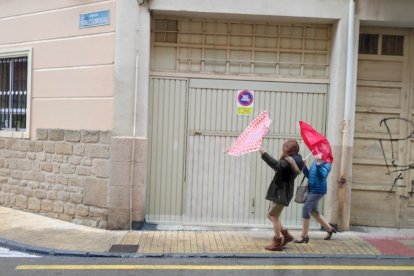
point(276, 245)
point(286, 237)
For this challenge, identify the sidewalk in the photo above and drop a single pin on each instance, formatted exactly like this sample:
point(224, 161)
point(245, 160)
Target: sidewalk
point(38, 234)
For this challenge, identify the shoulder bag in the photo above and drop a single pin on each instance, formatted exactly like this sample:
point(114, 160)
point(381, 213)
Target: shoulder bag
point(301, 191)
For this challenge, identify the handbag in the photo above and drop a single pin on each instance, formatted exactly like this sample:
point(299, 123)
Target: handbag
point(301, 192)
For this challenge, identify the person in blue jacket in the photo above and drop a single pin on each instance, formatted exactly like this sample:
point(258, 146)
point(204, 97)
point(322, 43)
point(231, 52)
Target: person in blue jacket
point(317, 186)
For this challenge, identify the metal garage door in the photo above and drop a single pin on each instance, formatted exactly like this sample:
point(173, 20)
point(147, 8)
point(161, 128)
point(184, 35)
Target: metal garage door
point(382, 191)
point(197, 66)
point(192, 181)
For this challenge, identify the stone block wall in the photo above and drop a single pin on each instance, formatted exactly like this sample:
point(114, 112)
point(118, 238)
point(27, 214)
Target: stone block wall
point(64, 174)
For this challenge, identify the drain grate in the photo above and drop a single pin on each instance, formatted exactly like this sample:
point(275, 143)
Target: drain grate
point(124, 248)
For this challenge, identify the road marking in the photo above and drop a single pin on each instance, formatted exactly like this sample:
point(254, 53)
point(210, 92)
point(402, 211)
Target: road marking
point(213, 267)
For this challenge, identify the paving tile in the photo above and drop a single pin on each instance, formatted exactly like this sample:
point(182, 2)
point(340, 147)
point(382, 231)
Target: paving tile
point(243, 242)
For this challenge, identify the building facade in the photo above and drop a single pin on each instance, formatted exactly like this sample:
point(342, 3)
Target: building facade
point(118, 112)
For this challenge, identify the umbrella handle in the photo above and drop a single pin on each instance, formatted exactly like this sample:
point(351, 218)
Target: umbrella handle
point(307, 156)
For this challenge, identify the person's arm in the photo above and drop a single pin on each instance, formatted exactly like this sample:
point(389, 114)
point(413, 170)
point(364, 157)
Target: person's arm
point(306, 171)
point(273, 163)
point(269, 160)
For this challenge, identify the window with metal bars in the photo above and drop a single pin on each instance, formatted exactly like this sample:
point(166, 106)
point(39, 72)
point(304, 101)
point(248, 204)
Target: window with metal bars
point(368, 44)
point(13, 93)
point(240, 48)
point(390, 45)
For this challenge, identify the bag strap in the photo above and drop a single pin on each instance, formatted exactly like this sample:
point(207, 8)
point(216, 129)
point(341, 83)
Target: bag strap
point(303, 179)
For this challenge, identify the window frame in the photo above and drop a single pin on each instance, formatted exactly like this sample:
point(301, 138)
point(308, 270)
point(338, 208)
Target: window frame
point(381, 33)
point(13, 53)
point(240, 48)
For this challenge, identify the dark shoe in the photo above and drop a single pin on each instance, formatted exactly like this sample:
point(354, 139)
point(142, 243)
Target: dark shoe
point(286, 237)
point(302, 240)
point(333, 225)
point(329, 235)
point(276, 245)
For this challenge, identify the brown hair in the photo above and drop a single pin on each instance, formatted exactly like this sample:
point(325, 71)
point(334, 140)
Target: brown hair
point(290, 147)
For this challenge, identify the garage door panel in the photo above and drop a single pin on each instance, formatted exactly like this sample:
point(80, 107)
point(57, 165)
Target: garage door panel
point(203, 113)
point(372, 176)
point(380, 70)
point(411, 152)
point(371, 149)
point(239, 185)
point(167, 149)
point(214, 188)
point(412, 99)
point(410, 217)
point(373, 208)
point(218, 185)
point(384, 95)
point(371, 123)
point(285, 108)
point(372, 96)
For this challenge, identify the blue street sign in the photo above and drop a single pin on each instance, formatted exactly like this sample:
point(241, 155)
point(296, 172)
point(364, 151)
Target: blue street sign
point(94, 19)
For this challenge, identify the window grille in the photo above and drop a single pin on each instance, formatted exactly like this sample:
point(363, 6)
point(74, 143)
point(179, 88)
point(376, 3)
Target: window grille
point(392, 45)
point(368, 44)
point(13, 93)
point(237, 48)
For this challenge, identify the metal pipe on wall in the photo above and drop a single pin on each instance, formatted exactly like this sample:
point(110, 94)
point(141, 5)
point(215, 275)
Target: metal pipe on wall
point(347, 116)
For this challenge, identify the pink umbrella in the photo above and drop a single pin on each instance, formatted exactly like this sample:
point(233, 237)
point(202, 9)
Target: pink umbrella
point(251, 138)
point(316, 142)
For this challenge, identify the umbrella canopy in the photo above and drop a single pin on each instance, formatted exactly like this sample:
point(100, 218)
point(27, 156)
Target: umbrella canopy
point(251, 138)
point(316, 142)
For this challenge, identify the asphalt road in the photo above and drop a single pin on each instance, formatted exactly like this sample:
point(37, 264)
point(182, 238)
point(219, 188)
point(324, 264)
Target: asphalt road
point(45, 266)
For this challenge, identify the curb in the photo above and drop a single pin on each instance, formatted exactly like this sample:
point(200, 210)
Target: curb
point(13, 245)
point(37, 250)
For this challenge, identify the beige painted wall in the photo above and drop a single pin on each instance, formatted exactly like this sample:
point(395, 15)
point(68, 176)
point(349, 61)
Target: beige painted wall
point(72, 76)
point(73, 113)
point(385, 13)
point(22, 7)
point(311, 9)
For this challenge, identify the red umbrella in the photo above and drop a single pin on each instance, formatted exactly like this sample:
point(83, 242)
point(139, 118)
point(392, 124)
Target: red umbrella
point(316, 142)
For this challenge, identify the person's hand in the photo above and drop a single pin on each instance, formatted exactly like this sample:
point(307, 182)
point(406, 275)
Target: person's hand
point(261, 150)
point(318, 158)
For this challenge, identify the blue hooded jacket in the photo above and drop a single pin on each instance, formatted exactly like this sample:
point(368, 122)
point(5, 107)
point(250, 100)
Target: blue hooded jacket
point(317, 175)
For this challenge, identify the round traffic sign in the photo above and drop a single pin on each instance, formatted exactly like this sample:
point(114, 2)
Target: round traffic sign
point(245, 98)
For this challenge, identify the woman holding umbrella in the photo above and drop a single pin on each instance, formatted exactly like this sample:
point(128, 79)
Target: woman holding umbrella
point(280, 191)
point(317, 174)
point(317, 184)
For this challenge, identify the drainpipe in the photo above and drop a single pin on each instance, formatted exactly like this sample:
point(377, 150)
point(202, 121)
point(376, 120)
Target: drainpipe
point(347, 117)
